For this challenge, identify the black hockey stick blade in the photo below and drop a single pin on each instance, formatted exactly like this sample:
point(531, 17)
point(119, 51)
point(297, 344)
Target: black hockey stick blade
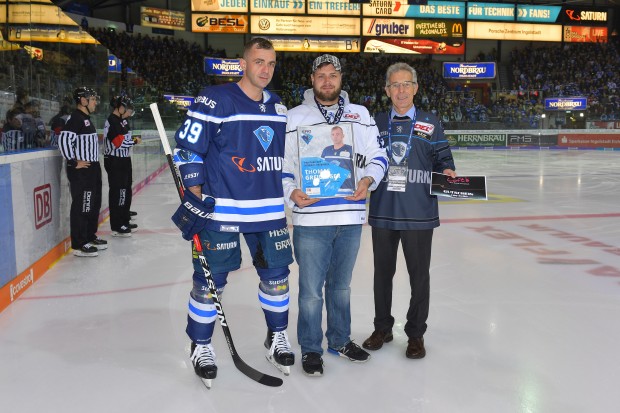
point(256, 375)
point(241, 365)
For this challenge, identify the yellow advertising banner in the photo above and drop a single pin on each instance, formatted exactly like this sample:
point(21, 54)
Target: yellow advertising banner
point(35, 14)
point(220, 6)
point(305, 25)
point(48, 34)
point(219, 23)
point(162, 18)
point(315, 44)
point(515, 31)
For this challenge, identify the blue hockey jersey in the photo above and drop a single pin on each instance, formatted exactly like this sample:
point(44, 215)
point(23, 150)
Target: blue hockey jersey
point(233, 146)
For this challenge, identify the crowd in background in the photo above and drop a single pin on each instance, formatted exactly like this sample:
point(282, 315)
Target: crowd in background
point(167, 65)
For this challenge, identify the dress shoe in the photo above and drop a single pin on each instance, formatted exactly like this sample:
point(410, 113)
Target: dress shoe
point(376, 340)
point(415, 348)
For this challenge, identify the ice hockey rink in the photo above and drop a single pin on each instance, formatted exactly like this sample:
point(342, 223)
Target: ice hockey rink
point(525, 303)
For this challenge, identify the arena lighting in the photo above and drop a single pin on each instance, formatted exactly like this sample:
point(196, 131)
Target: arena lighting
point(581, 114)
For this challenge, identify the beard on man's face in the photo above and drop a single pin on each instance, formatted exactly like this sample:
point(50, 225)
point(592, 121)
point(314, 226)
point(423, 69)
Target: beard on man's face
point(327, 96)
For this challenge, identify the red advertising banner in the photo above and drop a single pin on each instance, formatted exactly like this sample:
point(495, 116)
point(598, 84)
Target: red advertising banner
point(582, 140)
point(415, 46)
point(585, 34)
point(604, 124)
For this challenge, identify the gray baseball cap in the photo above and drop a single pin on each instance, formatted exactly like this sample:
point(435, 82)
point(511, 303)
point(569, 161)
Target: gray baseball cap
point(326, 58)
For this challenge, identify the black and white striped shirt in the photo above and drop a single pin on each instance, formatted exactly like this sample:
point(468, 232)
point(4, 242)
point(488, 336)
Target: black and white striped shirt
point(118, 139)
point(78, 140)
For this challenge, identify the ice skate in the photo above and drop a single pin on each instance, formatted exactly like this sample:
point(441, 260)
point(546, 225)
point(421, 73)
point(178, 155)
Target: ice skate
point(203, 359)
point(280, 353)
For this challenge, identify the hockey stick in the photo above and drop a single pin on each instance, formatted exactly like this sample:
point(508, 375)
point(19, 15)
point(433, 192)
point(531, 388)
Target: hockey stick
point(256, 375)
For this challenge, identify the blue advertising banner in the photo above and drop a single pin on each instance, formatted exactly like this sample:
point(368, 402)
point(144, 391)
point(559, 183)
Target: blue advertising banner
point(222, 67)
point(484, 70)
point(575, 103)
point(506, 12)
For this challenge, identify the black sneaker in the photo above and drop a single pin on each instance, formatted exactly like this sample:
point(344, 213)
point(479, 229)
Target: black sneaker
point(123, 231)
point(132, 226)
point(351, 351)
point(99, 243)
point(87, 250)
point(132, 213)
point(312, 364)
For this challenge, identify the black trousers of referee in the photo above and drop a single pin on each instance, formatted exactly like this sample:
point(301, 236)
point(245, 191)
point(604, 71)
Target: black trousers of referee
point(417, 250)
point(85, 187)
point(119, 181)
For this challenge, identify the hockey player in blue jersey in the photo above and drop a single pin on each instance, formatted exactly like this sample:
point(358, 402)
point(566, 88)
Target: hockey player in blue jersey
point(340, 154)
point(402, 209)
point(229, 153)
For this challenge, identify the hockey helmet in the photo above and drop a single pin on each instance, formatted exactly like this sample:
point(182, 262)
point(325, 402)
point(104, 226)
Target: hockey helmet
point(83, 92)
point(118, 101)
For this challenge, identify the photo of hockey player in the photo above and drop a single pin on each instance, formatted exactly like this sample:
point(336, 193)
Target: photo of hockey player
point(340, 154)
point(326, 160)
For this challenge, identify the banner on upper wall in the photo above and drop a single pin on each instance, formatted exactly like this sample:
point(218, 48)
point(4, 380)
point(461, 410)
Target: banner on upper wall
point(54, 34)
point(515, 31)
point(305, 25)
point(223, 67)
point(315, 44)
point(279, 6)
point(512, 12)
point(415, 46)
point(35, 14)
point(482, 70)
point(219, 23)
point(220, 6)
point(400, 8)
point(162, 18)
point(584, 15)
point(412, 28)
point(338, 7)
point(574, 103)
point(585, 34)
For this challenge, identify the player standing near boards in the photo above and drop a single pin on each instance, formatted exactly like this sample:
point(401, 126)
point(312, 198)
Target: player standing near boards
point(229, 153)
point(117, 163)
point(79, 145)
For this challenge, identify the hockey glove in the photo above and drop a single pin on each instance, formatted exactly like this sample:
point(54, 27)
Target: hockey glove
point(192, 216)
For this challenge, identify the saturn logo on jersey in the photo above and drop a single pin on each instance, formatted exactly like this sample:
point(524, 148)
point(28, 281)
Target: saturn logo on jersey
point(265, 136)
point(240, 164)
point(264, 164)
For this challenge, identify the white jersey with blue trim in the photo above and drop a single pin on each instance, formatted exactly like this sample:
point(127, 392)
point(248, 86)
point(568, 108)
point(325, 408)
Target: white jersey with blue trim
point(369, 159)
point(233, 147)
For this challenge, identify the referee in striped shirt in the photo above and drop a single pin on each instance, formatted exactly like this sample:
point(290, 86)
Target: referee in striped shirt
point(79, 145)
point(117, 163)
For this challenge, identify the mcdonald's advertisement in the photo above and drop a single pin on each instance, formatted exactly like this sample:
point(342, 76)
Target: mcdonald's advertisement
point(426, 29)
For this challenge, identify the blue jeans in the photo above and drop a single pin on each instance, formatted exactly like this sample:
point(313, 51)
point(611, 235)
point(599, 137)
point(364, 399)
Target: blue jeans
point(326, 257)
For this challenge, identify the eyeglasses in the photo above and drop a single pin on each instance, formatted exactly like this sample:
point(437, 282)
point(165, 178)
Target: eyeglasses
point(406, 84)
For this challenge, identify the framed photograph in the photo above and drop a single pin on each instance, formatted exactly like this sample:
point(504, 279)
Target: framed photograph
point(326, 160)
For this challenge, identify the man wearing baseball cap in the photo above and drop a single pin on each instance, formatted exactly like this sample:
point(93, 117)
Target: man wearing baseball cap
point(327, 231)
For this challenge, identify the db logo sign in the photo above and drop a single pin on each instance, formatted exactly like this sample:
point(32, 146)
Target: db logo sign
point(42, 205)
